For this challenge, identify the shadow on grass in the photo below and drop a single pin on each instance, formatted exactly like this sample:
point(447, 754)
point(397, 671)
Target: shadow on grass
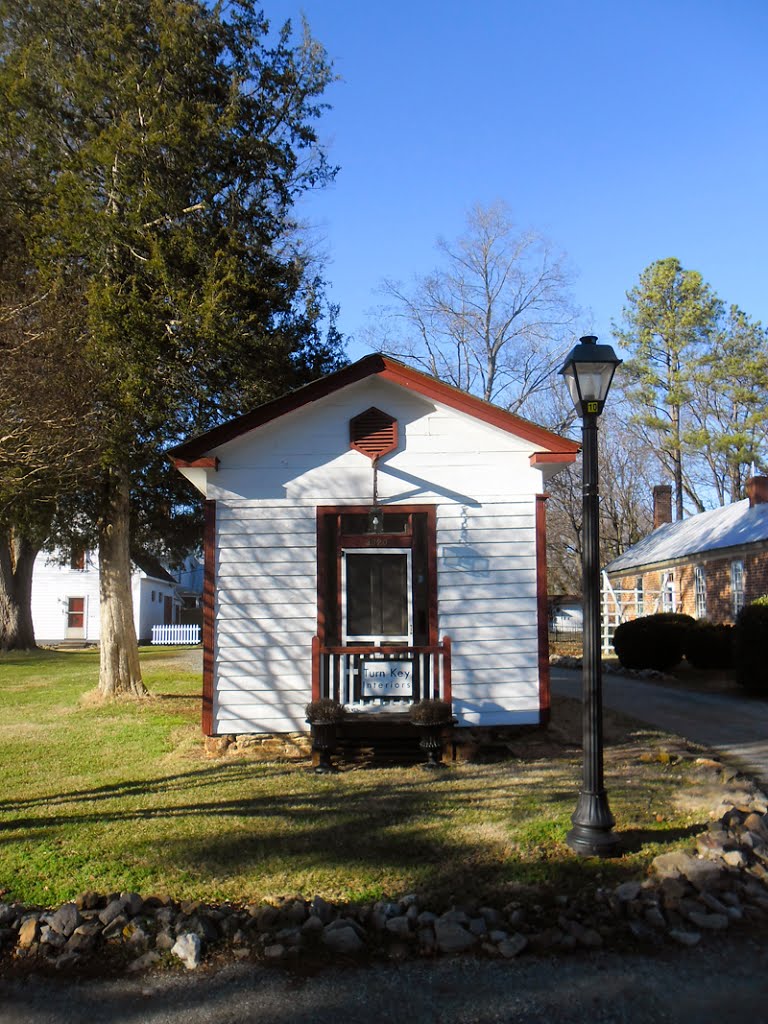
point(634, 839)
point(433, 832)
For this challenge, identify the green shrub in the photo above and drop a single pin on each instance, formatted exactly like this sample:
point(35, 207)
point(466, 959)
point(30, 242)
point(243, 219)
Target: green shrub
point(751, 646)
point(709, 646)
point(652, 641)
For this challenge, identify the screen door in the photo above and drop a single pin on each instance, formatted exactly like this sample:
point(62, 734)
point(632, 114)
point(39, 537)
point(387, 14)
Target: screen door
point(377, 601)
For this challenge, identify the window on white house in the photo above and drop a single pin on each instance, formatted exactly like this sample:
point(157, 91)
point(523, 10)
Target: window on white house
point(737, 586)
point(153, 595)
point(77, 559)
point(700, 592)
point(639, 597)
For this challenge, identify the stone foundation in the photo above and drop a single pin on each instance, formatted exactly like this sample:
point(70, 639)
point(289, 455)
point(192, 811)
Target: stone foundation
point(278, 746)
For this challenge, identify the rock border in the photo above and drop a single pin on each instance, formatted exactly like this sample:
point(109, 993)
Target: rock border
point(721, 882)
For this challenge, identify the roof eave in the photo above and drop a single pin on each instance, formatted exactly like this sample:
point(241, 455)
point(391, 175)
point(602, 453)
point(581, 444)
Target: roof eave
point(552, 444)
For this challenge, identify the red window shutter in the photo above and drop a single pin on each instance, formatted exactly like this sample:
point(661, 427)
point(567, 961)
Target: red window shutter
point(373, 432)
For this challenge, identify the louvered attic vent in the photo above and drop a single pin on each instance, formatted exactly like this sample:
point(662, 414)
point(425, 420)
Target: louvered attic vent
point(373, 432)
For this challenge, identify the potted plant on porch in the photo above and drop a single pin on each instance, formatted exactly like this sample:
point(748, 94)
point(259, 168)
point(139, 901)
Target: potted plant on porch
point(323, 716)
point(431, 717)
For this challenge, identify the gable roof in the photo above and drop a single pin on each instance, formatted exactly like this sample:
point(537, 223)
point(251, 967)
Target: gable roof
point(558, 448)
point(152, 567)
point(731, 526)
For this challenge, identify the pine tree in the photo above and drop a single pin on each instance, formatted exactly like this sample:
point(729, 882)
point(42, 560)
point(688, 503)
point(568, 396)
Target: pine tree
point(668, 325)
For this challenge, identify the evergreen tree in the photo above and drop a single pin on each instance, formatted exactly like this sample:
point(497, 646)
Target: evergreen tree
point(668, 326)
point(729, 407)
point(159, 149)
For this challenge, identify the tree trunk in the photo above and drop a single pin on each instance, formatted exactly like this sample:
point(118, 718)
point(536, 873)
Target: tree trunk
point(17, 562)
point(119, 670)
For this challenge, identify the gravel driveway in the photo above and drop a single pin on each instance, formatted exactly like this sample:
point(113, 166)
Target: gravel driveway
point(723, 982)
point(735, 726)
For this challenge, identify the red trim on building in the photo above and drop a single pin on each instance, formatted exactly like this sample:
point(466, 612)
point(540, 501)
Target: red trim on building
point(542, 607)
point(447, 686)
point(204, 463)
point(432, 578)
point(209, 608)
point(328, 531)
point(315, 668)
point(547, 458)
point(388, 369)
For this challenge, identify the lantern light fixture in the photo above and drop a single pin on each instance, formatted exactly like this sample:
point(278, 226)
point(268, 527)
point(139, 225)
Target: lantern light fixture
point(588, 371)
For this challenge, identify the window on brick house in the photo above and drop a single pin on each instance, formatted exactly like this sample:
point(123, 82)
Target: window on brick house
point(737, 586)
point(700, 592)
point(668, 593)
point(639, 597)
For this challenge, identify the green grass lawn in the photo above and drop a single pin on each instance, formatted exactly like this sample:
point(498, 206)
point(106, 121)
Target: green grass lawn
point(120, 796)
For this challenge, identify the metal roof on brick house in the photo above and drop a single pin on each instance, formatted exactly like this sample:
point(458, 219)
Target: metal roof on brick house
point(732, 526)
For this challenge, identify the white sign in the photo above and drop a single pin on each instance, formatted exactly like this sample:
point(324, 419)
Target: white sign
point(387, 678)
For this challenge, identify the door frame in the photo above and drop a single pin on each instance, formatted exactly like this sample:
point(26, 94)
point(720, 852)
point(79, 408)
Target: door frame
point(377, 641)
point(331, 544)
point(76, 632)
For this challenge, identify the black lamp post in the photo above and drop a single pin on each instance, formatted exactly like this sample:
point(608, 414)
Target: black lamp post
point(588, 371)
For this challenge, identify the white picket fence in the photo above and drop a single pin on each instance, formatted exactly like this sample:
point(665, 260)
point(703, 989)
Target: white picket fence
point(175, 634)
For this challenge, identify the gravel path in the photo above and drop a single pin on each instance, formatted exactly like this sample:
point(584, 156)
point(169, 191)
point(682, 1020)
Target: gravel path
point(724, 982)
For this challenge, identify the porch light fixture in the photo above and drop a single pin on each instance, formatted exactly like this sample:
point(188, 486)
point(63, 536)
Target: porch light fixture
point(588, 371)
point(375, 520)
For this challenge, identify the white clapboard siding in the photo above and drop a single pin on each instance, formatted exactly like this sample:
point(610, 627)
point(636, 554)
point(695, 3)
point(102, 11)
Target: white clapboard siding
point(237, 562)
point(253, 609)
point(288, 719)
point(495, 634)
point(491, 541)
point(266, 615)
point(54, 583)
point(267, 487)
point(485, 609)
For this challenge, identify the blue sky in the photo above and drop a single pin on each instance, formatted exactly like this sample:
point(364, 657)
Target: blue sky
point(624, 131)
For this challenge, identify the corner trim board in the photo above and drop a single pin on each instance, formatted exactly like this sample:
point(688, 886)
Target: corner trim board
point(209, 610)
point(545, 702)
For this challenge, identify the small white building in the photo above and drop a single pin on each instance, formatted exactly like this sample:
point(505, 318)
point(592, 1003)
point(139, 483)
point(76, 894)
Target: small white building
point(379, 537)
point(65, 598)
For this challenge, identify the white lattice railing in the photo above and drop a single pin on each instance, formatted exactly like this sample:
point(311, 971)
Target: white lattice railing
point(389, 675)
point(175, 634)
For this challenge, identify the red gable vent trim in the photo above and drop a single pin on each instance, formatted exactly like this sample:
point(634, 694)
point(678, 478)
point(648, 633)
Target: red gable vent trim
point(373, 432)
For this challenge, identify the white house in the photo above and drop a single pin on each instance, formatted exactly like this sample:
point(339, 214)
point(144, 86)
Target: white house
point(65, 598)
point(379, 537)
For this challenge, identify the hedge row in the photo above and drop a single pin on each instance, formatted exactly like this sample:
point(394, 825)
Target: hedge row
point(662, 641)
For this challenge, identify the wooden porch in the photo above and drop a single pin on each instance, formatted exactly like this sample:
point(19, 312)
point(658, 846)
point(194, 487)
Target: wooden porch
point(382, 681)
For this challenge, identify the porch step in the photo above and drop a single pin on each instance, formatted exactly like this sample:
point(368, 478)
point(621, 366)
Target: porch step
point(369, 739)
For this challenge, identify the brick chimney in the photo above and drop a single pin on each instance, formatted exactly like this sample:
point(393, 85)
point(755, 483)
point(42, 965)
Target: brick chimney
point(662, 505)
point(757, 490)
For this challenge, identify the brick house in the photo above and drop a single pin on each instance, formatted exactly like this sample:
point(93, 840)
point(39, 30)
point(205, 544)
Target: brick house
point(707, 566)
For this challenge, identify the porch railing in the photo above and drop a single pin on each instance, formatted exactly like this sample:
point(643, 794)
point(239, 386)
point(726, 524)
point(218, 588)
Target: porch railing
point(386, 676)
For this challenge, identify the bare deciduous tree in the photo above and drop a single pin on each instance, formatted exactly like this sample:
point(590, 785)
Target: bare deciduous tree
point(493, 320)
point(626, 514)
